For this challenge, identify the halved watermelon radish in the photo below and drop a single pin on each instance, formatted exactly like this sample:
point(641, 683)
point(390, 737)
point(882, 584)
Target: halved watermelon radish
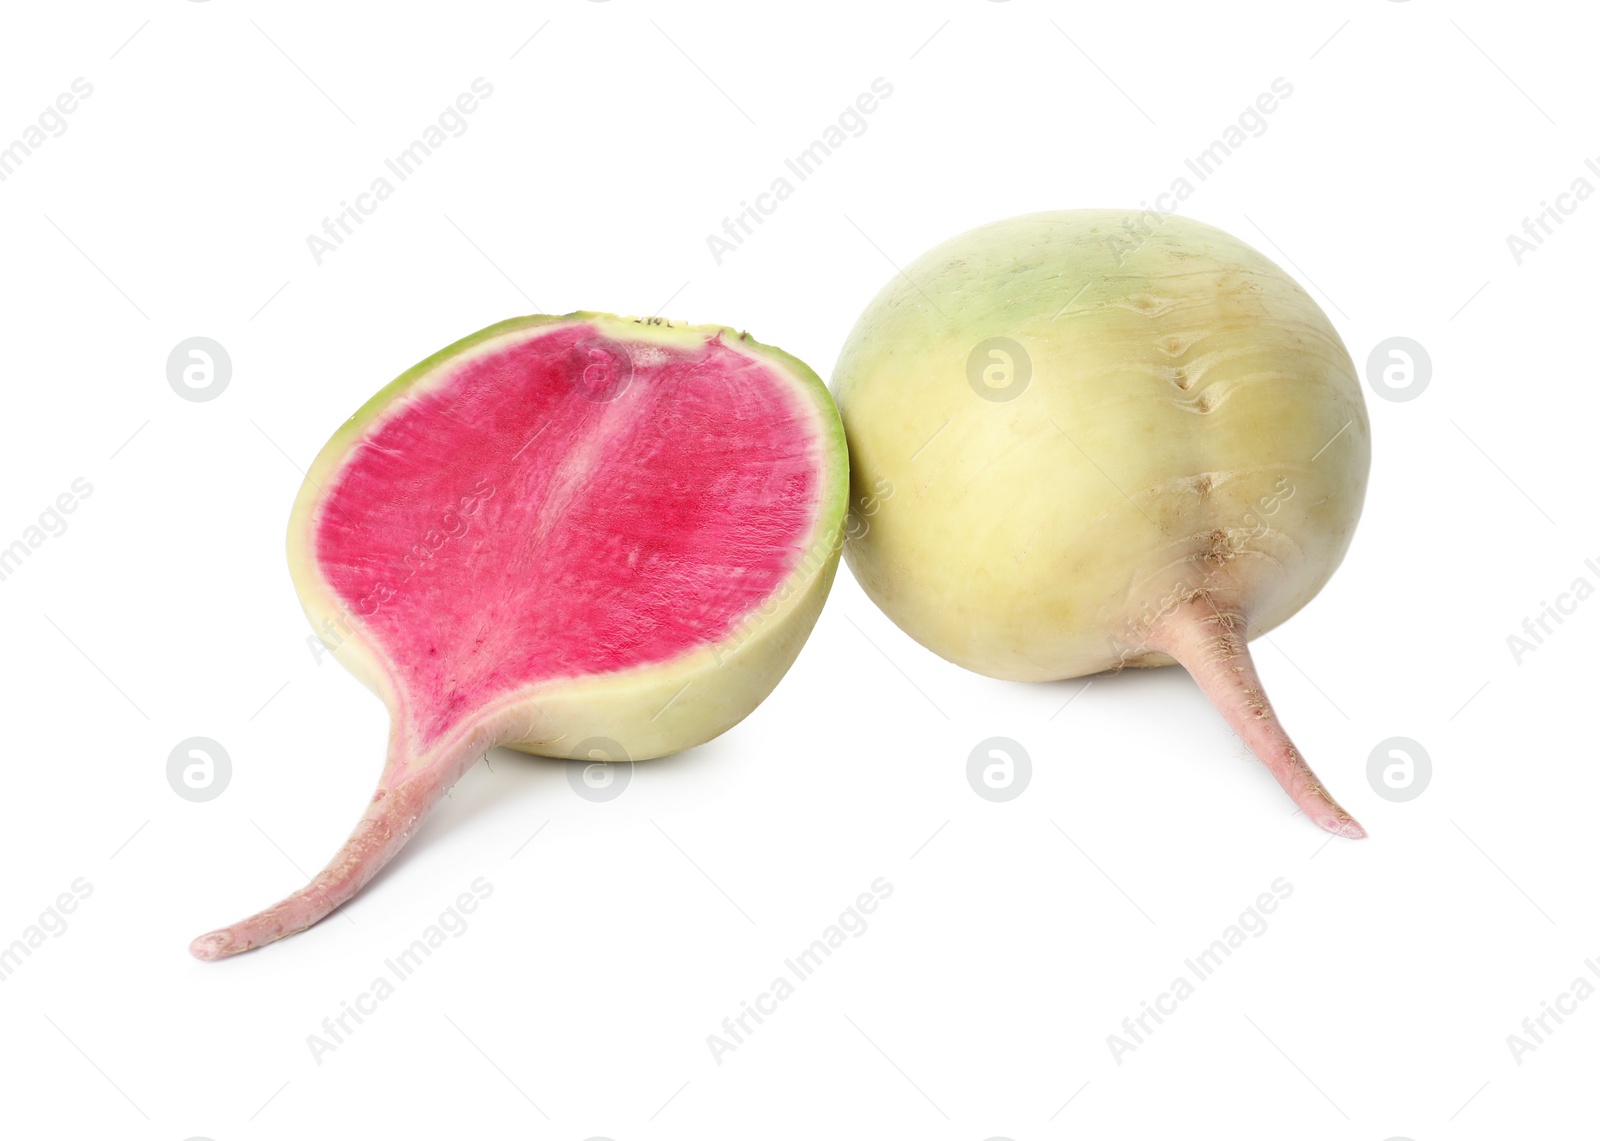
point(556, 533)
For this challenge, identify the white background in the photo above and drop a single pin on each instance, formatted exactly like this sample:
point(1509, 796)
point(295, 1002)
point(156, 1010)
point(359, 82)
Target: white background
point(1019, 935)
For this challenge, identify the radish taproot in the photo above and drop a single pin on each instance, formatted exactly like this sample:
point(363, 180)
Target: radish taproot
point(578, 536)
point(1108, 445)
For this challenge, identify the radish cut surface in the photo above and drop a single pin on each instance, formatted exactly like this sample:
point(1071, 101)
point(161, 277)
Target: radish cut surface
point(587, 537)
point(569, 505)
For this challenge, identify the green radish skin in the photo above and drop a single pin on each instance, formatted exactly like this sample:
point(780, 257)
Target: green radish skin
point(1167, 459)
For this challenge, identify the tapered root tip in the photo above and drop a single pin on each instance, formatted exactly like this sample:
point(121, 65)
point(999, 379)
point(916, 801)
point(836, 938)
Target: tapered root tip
point(393, 814)
point(1207, 637)
point(1341, 825)
point(1313, 797)
point(217, 945)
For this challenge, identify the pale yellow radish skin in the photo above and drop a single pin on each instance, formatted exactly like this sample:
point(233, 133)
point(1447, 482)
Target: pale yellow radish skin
point(1172, 459)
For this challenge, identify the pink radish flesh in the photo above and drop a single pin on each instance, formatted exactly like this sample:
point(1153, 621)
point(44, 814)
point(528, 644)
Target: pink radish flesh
point(604, 535)
point(568, 507)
